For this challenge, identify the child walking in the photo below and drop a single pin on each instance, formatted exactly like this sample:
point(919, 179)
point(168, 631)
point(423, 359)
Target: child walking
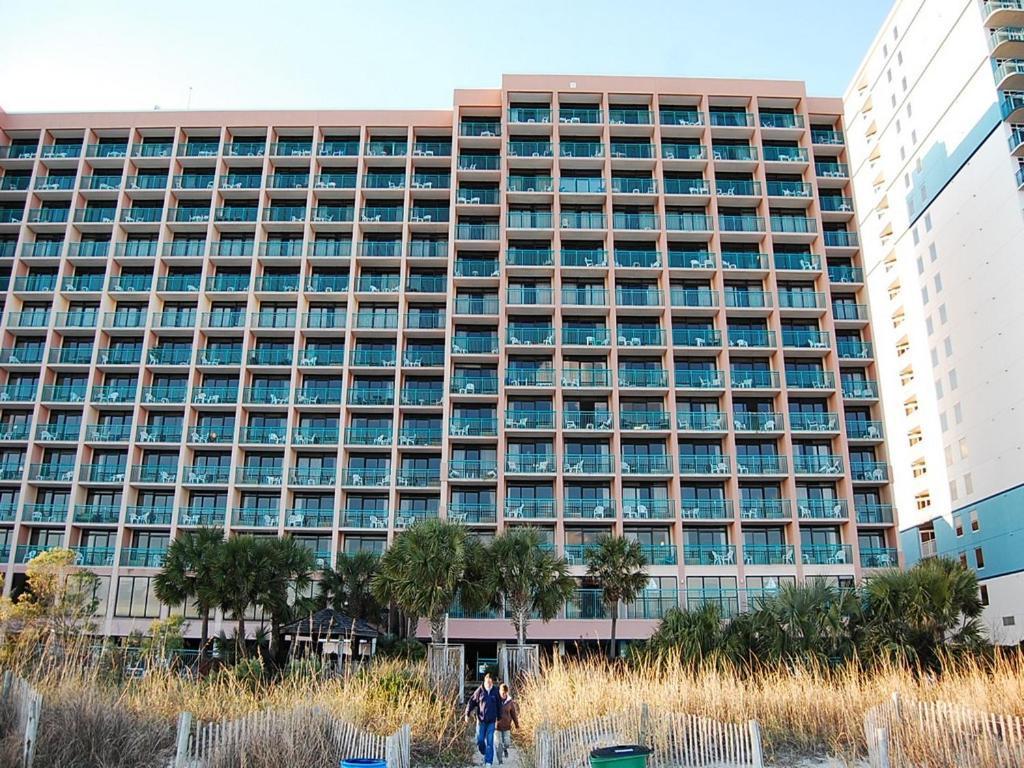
point(509, 717)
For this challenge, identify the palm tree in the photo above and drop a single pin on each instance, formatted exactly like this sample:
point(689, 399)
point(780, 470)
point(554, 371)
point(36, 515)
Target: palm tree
point(912, 615)
point(619, 566)
point(347, 587)
point(188, 574)
point(426, 567)
point(242, 568)
point(695, 635)
point(290, 574)
point(525, 578)
point(808, 621)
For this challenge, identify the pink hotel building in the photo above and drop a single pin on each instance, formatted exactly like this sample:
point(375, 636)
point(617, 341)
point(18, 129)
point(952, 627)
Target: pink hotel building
point(582, 304)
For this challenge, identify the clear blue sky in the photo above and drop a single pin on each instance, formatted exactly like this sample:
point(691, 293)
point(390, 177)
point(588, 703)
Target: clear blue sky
point(287, 54)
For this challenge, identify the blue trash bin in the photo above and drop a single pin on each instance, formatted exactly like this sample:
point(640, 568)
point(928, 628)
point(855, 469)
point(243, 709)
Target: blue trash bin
point(363, 762)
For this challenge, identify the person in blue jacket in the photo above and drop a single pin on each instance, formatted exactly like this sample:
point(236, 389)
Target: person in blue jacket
point(486, 703)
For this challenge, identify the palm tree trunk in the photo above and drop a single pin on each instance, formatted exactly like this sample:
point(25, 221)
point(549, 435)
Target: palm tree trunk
point(240, 635)
point(204, 633)
point(615, 622)
point(437, 629)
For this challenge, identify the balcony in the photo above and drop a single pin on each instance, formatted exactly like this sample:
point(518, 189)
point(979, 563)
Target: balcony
point(309, 518)
point(841, 239)
point(588, 509)
point(874, 514)
point(305, 476)
point(55, 472)
point(368, 436)
point(793, 338)
point(645, 420)
point(760, 464)
point(44, 513)
point(102, 473)
point(529, 464)
point(700, 421)
point(529, 509)
point(461, 426)
point(754, 338)
point(529, 419)
point(466, 231)
point(193, 516)
point(649, 464)
point(589, 420)
point(687, 117)
point(107, 433)
point(858, 389)
point(821, 464)
point(474, 345)
point(864, 430)
point(362, 395)
point(693, 297)
point(826, 170)
point(589, 377)
point(159, 433)
point(768, 554)
point(143, 557)
point(164, 394)
point(214, 395)
point(529, 257)
point(419, 436)
point(103, 514)
point(813, 422)
point(516, 376)
point(517, 149)
point(255, 517)
point(696, 337)
point(745, 261)
point(643, 378)
point(149, 515)
point(461, 469)
point(270, 475)
point(695, 379)
point(709, 554)
point(765, 509)
point(574, 185)
point(64, 393)
point(18, 393)
point(822, 509)
point(854, 350)
point(757, 421)
point(635, 222)
point(581, 149)
point(466, 512)
point(114, 394)
point(584, 603)
point(703, 464)
point(827, 137)
point(588, 464)
point(879, 557)
point(785, 154)
point(569, 219)
point(94, 557)
point(869, 471)
point(740, 223)
point(827, 554)
point(620, 116)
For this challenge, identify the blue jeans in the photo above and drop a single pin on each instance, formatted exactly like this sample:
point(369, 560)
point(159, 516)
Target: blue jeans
point(485, 740)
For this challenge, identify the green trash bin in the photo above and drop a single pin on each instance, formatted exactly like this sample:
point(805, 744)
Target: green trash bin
point(621, 756)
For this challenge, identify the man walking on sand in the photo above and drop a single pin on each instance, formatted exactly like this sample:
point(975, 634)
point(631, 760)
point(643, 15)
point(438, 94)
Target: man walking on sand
point(486, 703)
point(509, 717)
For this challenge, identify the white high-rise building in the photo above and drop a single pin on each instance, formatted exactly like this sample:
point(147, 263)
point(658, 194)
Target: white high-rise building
point(931, 119)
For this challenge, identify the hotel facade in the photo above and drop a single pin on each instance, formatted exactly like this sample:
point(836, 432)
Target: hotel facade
point(588, 305)
point(935, 126)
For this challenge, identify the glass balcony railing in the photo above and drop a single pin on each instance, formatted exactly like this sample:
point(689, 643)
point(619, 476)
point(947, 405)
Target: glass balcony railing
point(768, 554)
point(826, 137)
point(869, 471)
point(706, 509)
point(361, 395)
point(696, 337)
point(764, 464)
point(675, 116)
point(530, 149)
point(760, 338)
point(813, 422)
point(349, 148)
point(471, 512)
point(106, 514)
point(709, 554)
point(701, 421)
point(864, 430)
point(822, 509)
point(765, 509)
point(800, 262)
point(841, 239)
point(640, 337)
point(521, 376)
point(698, 378)
point(461, 469)
point(194, 516)
point(693, 297)
point(674, 151)
point(828, 170)
point(878, 557)
point(159, 433)
point(826, 554)
point(149, 515)
point(143, 557)
point(810, 379)
point(646, 464)
point(629, 116)
point(687, 222)
point(741, 223)
point(467, 231)
point(701, 464)
point(529, 463)
point(736, 152)
point(64, 393)
point(794, 338)
point(588, 464)
point(462, 426)
point(529, 509)
point(529, 219)
point(587, 420)
point(874, 514)
point(793, 225)
point(785, 154)
point(320, 476)
point(854, 350)
point(821, 464)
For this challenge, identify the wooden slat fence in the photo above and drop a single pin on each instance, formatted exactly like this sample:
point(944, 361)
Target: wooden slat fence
point(292, 732)
point(902, 733)
point(517, 663)
point(677, 739)
point(26, 703)
point(446, 665)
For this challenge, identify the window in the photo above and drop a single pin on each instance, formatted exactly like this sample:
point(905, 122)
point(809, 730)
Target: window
point(929, 325)
point(920, 265)
point(963, 447)
point(935, 358)
point(952, 490)
point(958, 413)
point(944, 421)
point(1009, 621)
point(963, 559)
point(943, 317)
point(932, 253)
point(924, 294)
point(938, 283)
point(954, 381)
point(923, 501)
point(958, 525)
point(927, 216)
point(983, 592)
point(979, 557)
point(968, 483)
point(947, 345)
point(136, 598)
